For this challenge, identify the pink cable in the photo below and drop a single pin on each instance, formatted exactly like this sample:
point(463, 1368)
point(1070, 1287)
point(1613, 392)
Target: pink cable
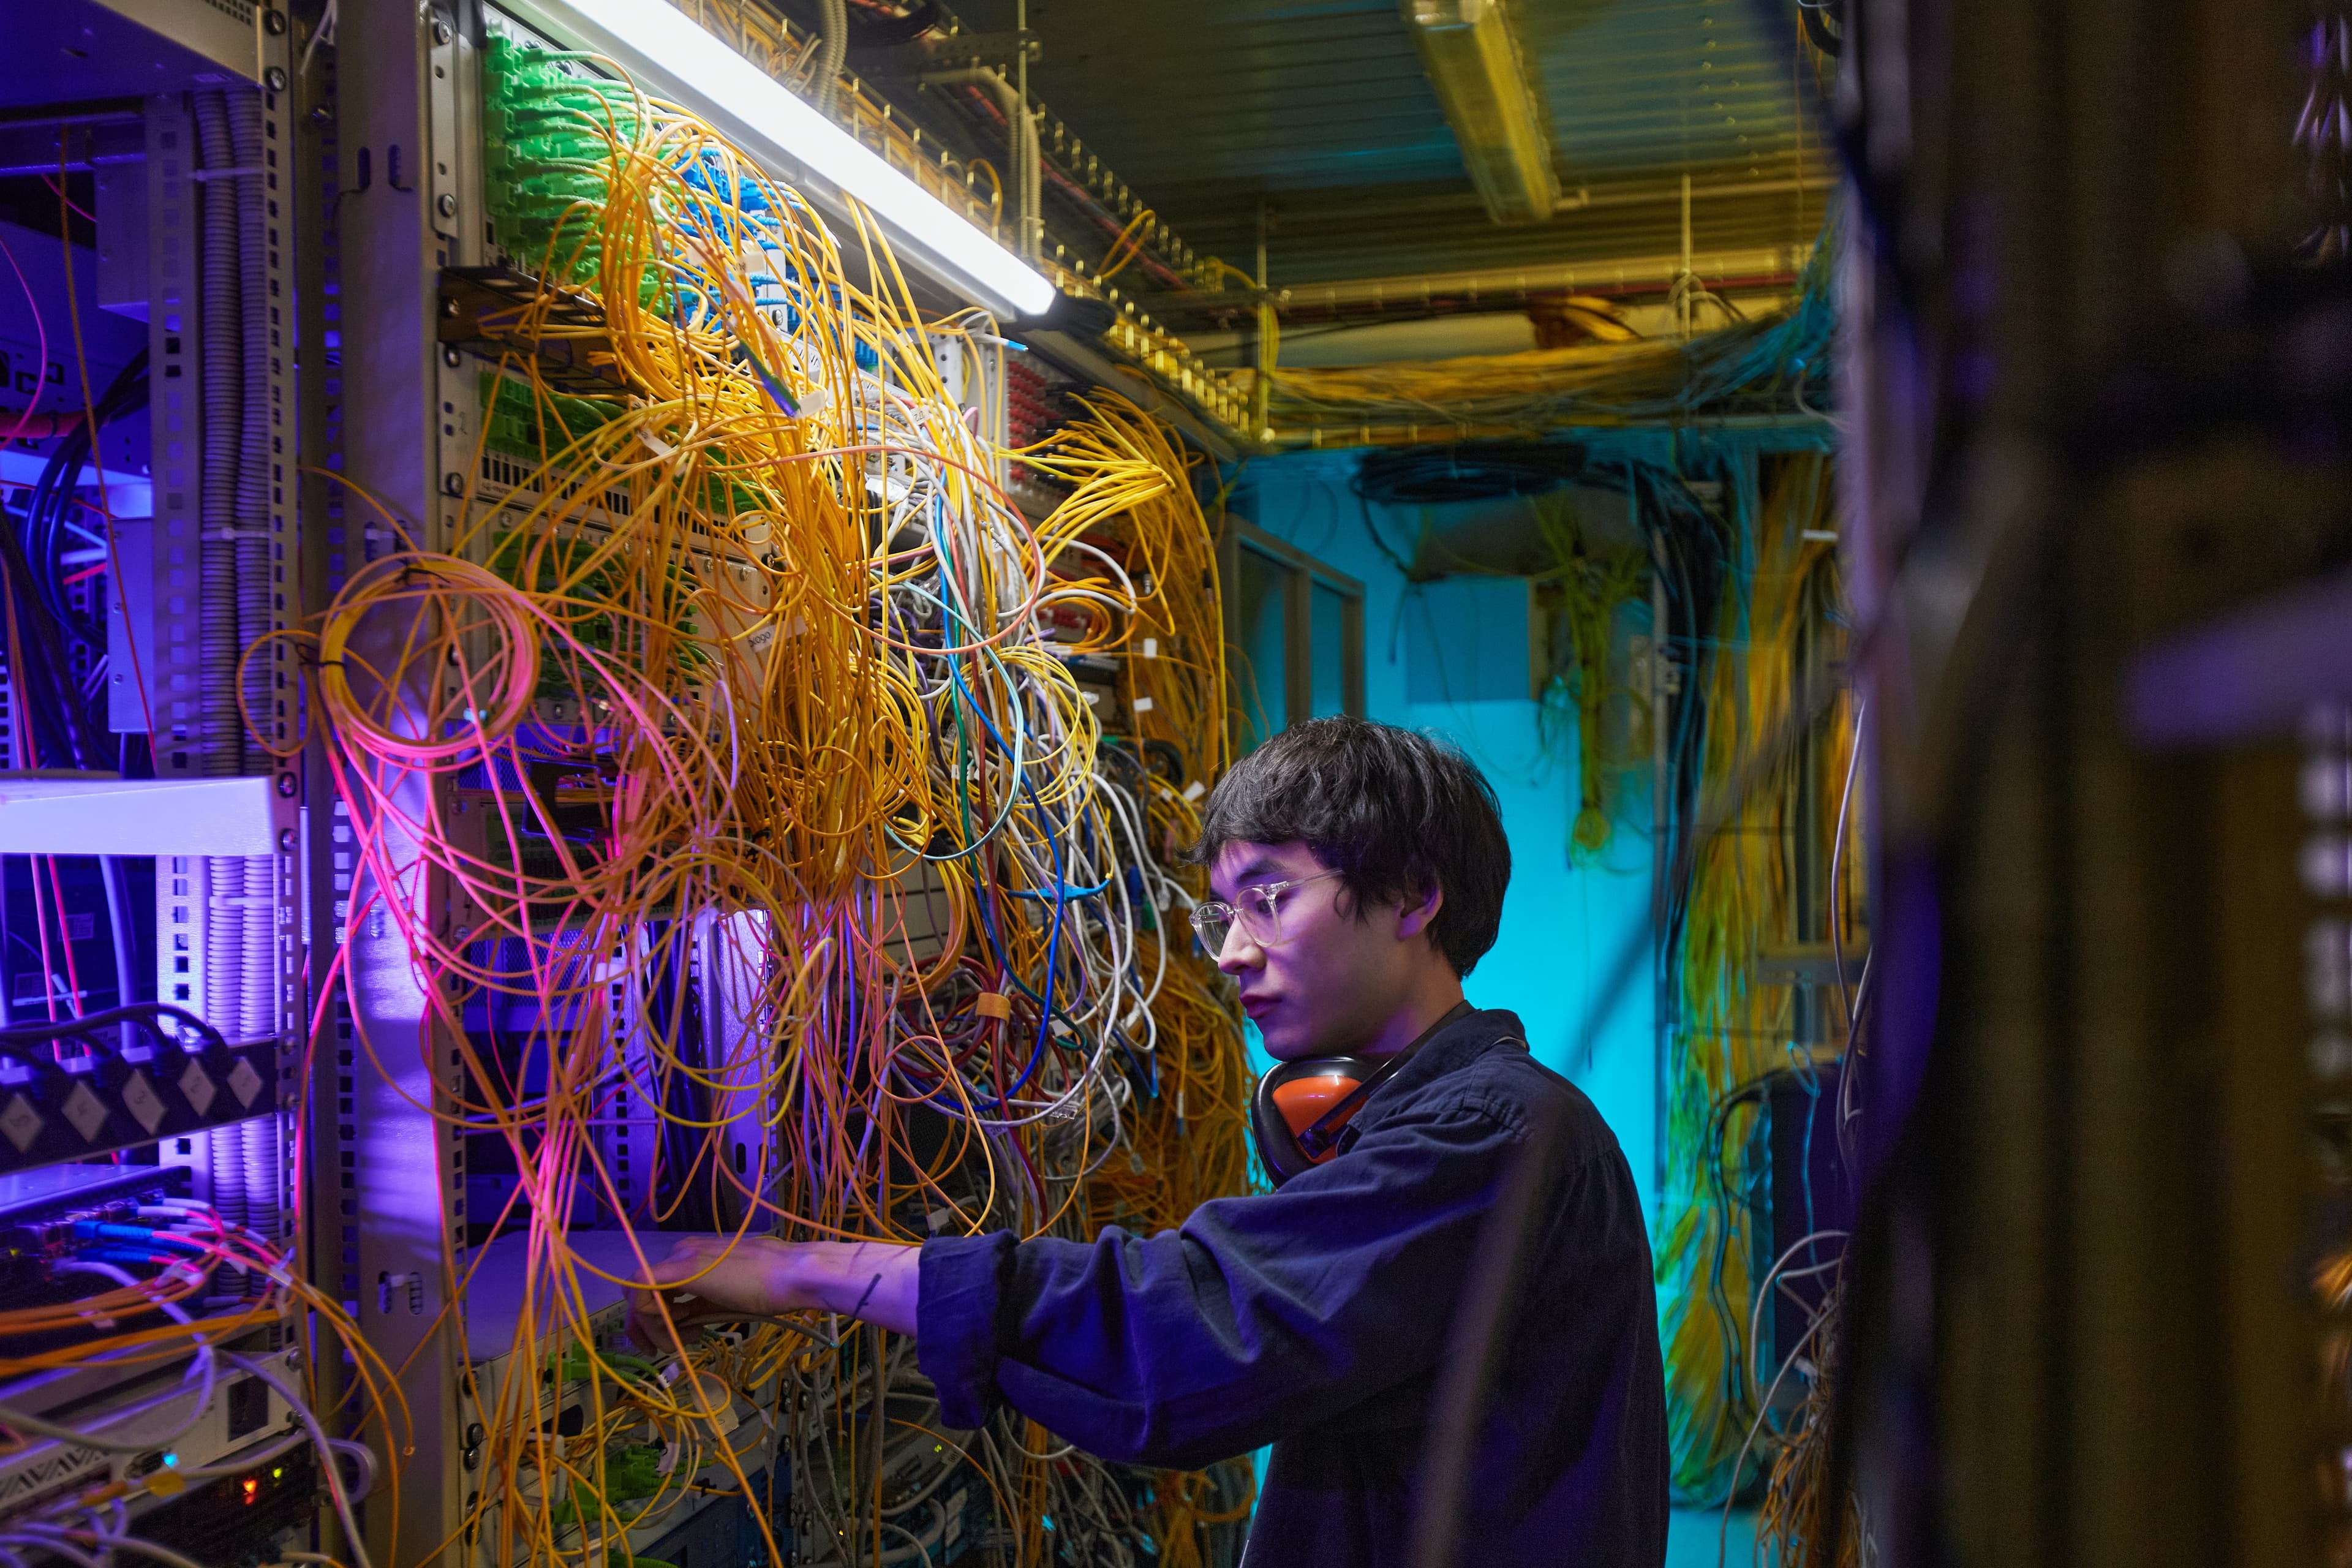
point(41, 331)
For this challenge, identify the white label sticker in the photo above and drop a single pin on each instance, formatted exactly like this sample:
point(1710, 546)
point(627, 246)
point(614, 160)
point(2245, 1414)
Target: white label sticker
point(139, 1098)
point(21, 1122)
point(956, 1501)
point(86, 1112)
point(1195, 790)
point(1141, 705)
point(760, 636)
point(1151, 648)
point(244, 1083)
point(718, 1397)
point(196, 1086)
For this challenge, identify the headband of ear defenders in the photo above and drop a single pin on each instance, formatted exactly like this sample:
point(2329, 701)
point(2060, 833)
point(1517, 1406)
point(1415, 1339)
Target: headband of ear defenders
point(1301, 1107)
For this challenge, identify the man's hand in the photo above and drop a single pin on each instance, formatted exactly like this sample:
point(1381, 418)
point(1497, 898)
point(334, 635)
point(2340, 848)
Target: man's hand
point(722, 1279)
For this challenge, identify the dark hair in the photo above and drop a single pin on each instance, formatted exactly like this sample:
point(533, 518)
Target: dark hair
point(1394, 812)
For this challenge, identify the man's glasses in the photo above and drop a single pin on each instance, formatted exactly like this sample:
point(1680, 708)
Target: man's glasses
point(1259, 914)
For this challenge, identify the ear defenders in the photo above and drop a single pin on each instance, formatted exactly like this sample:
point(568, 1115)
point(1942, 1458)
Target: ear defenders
point(1302, 1107)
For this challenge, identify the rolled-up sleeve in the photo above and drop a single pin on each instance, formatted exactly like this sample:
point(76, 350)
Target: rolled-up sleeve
point(1259, 1316)
point(959, 1295)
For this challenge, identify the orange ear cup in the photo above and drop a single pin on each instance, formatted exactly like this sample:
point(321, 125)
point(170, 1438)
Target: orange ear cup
point(1302, 1100)
point(1296, 1095)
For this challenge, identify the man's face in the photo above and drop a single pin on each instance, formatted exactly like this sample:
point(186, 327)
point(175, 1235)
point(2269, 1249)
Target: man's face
point(1326, 980)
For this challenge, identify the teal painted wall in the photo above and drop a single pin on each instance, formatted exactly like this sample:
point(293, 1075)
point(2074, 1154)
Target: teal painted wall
point(1563, 924)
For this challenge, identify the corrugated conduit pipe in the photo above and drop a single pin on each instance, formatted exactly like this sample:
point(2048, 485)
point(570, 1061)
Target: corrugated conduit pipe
point(235, 912)
point(219, 746)
point(265, 1171)
point(1021, 151)
point(256, 952)
point(250, 521)
point(832, 52)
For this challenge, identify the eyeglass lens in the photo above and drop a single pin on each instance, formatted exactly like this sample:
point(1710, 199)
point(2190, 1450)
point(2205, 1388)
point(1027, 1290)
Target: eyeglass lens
point(1259, 913)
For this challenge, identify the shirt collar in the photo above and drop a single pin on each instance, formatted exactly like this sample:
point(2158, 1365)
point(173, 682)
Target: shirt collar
point(1456, 1040)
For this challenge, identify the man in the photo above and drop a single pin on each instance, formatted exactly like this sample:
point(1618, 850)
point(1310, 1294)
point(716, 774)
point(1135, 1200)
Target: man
point(1357, 873)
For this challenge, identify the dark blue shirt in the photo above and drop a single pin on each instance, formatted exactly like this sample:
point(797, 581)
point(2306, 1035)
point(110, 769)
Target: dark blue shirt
point(1316, 1317)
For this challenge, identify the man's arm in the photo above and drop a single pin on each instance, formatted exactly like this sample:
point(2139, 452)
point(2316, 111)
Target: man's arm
point(1260, 1316)
point(711, 1279)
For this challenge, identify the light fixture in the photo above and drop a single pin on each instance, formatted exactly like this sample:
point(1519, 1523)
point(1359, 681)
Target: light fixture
point(1473, 59)
point(675, 58)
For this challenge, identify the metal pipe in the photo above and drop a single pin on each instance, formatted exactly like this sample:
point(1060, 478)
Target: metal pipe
point(1032, 211)
point(1022, 150)
point(1504, 284)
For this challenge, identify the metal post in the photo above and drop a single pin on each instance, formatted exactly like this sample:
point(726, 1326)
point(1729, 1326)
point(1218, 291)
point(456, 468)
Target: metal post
point(1261, 384)
point(1687, 281)
point(1660, 858)
point(1033, 216)
point(400, 1173)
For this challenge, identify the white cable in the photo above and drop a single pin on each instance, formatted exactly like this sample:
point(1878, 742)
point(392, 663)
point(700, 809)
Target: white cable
point(44, 1541)
point(88, 1435)
point(328, 1453)
point(115, 1543)
point(1764, 1290)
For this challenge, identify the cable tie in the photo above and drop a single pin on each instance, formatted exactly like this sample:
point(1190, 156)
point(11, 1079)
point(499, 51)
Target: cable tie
point(1194, 791)
point(994, 1004)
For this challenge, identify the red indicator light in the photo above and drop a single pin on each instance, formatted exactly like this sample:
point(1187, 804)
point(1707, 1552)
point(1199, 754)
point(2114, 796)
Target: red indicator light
point(252, 1490)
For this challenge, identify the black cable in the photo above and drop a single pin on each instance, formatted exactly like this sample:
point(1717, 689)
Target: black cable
point(96, 1031)
point(45, 518)
point(1483, 471)
point(66, 729)
point(61, 732)
point(1821, 31)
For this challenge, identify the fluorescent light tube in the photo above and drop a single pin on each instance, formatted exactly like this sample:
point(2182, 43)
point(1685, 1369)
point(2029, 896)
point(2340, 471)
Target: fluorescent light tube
point(675, 58)
point(1472, 57)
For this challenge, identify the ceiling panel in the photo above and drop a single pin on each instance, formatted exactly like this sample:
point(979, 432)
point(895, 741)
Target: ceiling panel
point(1320, 110)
